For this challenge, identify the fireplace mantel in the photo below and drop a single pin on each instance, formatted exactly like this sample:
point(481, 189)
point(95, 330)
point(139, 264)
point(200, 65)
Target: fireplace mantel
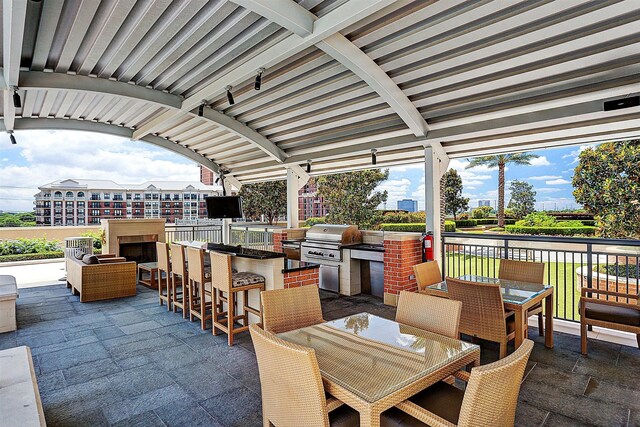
point(115, 229)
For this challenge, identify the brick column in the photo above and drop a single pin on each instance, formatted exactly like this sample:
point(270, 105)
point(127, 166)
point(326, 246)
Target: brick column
point(278, 237)
point(295, 279)
point(401, 253)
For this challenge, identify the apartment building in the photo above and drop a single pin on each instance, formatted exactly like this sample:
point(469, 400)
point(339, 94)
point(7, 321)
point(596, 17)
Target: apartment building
point(310, 204)
point(82, 201)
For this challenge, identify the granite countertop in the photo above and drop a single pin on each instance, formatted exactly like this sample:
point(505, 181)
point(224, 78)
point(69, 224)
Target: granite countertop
point(367, 247)
point(239, 251)
point(295, 265)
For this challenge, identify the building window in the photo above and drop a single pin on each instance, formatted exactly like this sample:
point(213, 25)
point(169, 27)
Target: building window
point(95, 213)
point(107, 204)
point(69, 194)
point(107, 196)
point(95, 196)
point(80, 193)
point(107, 211)
point(128, 196)
point(57, 194)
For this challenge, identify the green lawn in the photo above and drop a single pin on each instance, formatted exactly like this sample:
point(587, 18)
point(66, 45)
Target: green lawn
point(559, 274)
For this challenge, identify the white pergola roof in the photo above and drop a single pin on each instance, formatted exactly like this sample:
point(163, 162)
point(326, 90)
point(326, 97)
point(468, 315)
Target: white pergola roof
point(341, 76)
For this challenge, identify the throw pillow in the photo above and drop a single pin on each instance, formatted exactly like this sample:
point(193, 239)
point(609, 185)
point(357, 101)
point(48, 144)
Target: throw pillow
point(90, 259)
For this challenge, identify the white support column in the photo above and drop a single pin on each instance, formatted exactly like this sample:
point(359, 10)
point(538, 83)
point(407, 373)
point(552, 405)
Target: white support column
point(432, 174)
point(292, 199)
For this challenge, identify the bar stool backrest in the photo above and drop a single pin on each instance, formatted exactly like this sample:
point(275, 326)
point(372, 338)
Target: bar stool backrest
point(163, 256)
point(524, 271)
point(221, 265)
point(195, 264)
point(179, 265)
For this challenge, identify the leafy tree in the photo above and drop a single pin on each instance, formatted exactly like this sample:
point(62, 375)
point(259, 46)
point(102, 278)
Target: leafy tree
point(500, 162)
point(352, 198)
point(264, 198)
point(482, 212)
point(607, 183)
point(20, 219)
point(523, 199)
point(453, 200)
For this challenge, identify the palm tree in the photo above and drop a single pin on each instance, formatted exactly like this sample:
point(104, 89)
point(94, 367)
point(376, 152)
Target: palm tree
point(500, 161)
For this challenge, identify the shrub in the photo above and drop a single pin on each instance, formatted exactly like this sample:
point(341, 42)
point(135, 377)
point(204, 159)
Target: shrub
point(28, 246)
point(98, 237)
point(466, 223)
point(404, 217)
point(588, 222)
point(310, 222)
point(481, 212)
point(487, 221)
point(406, 227)
point(537, 219)
point(551, 231)
point(510, 221)
point(464, 215)
point(28, 257)
point(630, 271)
point(450, 226)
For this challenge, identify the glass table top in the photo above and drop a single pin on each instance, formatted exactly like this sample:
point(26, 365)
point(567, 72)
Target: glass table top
point(514, 292)
point(373, 357)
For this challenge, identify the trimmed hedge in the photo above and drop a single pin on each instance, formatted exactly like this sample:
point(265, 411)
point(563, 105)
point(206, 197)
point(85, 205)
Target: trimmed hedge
point(551, 231)
point(416, 227)
point(29, 257)
point(466, 222)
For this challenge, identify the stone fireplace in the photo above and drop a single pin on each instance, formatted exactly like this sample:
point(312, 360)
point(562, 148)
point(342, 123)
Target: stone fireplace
point(134, 239)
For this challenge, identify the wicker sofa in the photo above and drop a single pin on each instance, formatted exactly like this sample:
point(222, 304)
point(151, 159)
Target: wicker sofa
point(113, 277)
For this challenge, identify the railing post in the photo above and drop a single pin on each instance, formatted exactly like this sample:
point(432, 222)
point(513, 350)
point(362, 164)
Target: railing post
point(444, 257)
point(265, 239)
point(506, 249)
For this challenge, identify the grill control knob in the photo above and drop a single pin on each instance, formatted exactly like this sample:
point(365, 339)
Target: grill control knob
point(332, 255)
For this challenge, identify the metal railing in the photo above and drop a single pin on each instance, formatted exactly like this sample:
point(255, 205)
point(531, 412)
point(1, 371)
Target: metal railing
point(203, 233)
point(571, 262)
point(256, 236)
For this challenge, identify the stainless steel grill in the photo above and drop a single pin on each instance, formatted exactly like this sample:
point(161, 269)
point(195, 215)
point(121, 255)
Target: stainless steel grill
point(323, 244)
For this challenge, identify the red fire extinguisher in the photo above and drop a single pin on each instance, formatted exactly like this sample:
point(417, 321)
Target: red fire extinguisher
point(427, 247)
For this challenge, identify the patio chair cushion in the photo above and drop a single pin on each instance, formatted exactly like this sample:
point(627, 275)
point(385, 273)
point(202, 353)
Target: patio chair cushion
point(90, 259)
point(78, 254)
point(441, 399)
point(613, 314)
point(344, 416)
point(245, 278)
point(207, 271)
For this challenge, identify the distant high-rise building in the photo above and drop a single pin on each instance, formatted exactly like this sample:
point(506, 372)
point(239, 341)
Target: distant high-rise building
point(484, 203)
point(310, 204)
point(408, 205)
point(207, 177)
point(84, 201)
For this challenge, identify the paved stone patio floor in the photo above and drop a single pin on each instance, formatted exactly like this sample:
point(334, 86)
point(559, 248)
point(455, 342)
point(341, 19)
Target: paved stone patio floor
point(129, 362)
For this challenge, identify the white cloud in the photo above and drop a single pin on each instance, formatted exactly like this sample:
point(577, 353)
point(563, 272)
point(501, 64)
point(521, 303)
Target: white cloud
point(397, 189)
point(543, 177)
point(540, 161)
point(548, 190)
point(560, 181)
point(575, 153)
point(53, 155)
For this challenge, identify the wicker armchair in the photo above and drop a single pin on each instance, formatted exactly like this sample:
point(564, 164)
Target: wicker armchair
point(292, 390)
point(611, 314)
point(483, 314)
point(438, 315)
point(490, 398)
point(287, 309)
point(525, 271)
point(427, 273)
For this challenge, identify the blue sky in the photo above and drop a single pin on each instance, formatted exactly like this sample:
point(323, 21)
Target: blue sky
point(44, 156)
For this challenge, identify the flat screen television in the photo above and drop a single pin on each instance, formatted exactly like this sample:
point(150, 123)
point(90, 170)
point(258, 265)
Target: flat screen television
point(224, 207)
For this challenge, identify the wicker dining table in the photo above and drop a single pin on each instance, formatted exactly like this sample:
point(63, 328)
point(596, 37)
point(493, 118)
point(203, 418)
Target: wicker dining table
point(372, 364)
point(517, 297)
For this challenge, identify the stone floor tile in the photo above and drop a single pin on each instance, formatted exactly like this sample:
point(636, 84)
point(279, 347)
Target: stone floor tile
point(204, 380)
point(132, 406)
point(108, 332)
point(89, 371)
point(136, 381)
point(8, 340)
point(71, 357)
point(51, 381)
point(134, 328)
point(42, 339)
point(530, 416)
point(188, 413)
point(239, 407)
point(145, 419)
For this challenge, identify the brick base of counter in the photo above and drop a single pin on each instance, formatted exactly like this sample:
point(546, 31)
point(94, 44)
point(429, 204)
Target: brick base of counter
point(399, 258)
point(295, 279)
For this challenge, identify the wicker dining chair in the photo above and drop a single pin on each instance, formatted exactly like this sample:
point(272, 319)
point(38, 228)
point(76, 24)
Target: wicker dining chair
point(164, 274)
point(427, 273)
point(291, 385)
point(287, 309)
point(179, 279)
point(225, 285)
point(525, 271)
point(438, 315)
point(200, 287)
point(483, 315)
point(490, 398)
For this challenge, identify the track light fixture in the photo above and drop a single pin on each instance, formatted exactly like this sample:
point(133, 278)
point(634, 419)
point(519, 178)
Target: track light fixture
point(230, 95)
point(374, 158)
point(308, 166)
point(258, 82)
point(17, 102)
point(201, 110)
point(12, 138)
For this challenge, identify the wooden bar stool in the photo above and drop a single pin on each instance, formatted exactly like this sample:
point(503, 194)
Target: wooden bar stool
point(226, 285)
point(179, 278)
point(198, 305)
point(164, 269)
